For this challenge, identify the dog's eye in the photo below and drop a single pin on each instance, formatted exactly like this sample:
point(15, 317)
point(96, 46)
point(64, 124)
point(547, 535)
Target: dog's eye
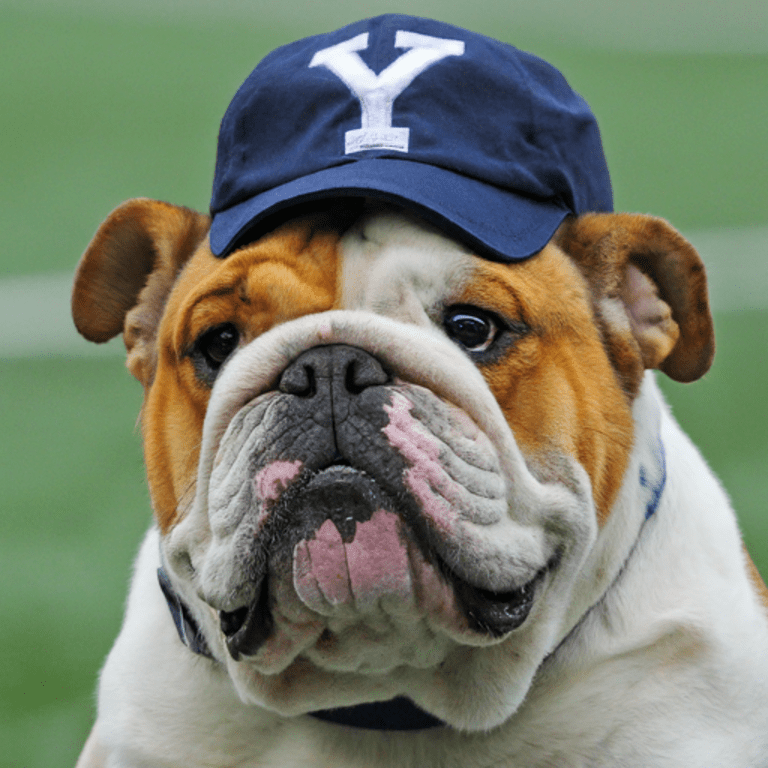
point(217, 344)
point(472, 328)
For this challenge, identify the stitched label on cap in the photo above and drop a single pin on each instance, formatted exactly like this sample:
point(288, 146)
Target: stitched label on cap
point(377, 93)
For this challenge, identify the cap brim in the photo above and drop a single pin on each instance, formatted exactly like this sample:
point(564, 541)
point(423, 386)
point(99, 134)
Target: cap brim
point(500, 224)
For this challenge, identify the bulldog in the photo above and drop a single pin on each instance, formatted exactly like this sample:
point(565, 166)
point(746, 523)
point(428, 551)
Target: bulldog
point(418, 499)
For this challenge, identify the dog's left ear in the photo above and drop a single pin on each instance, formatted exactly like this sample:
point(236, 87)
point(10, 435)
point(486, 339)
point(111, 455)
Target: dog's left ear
point(659, 280)
point(127, 272)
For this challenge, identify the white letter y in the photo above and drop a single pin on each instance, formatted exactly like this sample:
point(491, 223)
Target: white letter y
point(377, 93)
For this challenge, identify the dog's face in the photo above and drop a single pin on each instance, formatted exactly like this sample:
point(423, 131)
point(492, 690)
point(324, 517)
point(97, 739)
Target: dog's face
point(382, 465)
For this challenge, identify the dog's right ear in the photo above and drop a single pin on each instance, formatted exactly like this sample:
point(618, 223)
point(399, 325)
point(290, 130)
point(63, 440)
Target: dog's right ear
point(127, 272)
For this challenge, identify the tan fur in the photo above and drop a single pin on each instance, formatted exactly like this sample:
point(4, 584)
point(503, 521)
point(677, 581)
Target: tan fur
point(549, 389)
point(645, 289)
point(287, 275)
point(125, 276)
point(608, 298)
point(556, 387)
point(605, 245)
point(291, 273)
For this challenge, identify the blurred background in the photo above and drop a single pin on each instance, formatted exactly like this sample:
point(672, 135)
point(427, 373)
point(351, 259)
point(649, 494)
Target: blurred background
point(103, 100)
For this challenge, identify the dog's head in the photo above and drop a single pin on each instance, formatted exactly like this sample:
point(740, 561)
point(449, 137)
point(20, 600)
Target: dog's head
point(382, 465)
point(389, 457)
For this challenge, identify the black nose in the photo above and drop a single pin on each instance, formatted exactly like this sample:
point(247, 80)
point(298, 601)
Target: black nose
point(337, 371)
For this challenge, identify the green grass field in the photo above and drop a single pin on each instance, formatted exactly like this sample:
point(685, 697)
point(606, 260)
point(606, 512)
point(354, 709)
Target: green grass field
point(97, 109)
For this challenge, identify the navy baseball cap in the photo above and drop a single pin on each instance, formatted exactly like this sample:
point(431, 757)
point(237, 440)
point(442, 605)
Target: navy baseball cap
point(485, 141)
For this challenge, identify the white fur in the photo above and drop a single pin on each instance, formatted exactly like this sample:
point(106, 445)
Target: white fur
point(652, 655)
point(669, 669)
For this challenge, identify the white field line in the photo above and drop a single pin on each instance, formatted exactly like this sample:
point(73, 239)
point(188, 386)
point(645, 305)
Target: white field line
point(35, 319)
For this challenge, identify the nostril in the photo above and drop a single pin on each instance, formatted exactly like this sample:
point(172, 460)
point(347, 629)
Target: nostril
point(351, 380)
point(363, 371)
point(348, 370)
point(298, 380)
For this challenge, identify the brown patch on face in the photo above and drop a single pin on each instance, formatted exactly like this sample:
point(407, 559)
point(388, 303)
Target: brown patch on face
point(556, 385)
point(291, 273)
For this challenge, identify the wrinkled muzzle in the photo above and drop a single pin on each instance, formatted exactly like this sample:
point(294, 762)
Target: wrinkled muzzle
point(354, 515)
point(363, 486)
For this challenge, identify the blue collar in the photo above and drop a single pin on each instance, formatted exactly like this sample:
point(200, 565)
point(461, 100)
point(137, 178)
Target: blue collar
point(399, 714)
point(188, 629)
point(654, 480)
